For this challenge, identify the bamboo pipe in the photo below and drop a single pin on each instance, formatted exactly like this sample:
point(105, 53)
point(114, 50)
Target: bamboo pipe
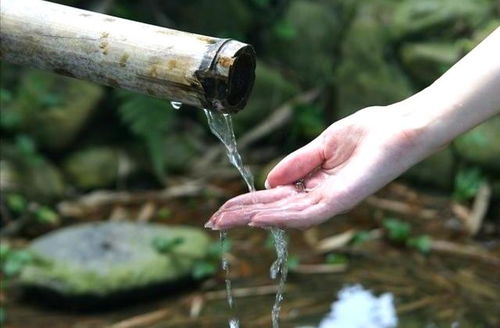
point(193, 69)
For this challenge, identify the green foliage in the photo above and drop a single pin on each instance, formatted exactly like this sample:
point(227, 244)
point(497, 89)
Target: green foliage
point(421, 243)
point(166, 245)
point(203, 269)
point(360, 237)
point(261, 3)
point(284, 30)
point(27, 150)
point(397, 230)
point(467, 183)
point(46, 215)
point(293, 262)
point(13, 260)
point(149, 119)
point(333, 258)
point(17, 203)
point(164, 213)
point(210, 264)
point(3, 315)
point(308, 121)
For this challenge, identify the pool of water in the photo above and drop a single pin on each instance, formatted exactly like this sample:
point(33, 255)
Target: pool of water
point(435, 290)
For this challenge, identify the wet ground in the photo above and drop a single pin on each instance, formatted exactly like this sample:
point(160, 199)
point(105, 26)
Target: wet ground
point(456, 286)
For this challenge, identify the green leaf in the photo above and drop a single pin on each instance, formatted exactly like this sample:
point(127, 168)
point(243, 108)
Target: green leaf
point(166, 245)
point(421, 243)
point(360, 237)
point(164, 213)
point(397, 230)
point(15, 261)
point(17, 202)
point(467, 182)
point(4, 250)
point(284, 30)
point(293, 262)
point(3, 315)
point(333, 258)
point(46, 215)
point(203, 269)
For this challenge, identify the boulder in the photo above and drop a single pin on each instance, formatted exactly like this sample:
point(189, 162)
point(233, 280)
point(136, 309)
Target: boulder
point(100, 259)
point(442, 18)
point(25, 170)
point(94, 167)
point(53, 108)
point(481, 145)
point(368, 73)
point(426, 61)
point(437, 171)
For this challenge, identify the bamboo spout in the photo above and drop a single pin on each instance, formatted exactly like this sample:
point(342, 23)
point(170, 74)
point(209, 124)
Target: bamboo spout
point(193, 69)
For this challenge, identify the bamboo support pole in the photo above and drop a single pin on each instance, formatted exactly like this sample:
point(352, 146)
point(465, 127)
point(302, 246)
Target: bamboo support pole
point(193, 69)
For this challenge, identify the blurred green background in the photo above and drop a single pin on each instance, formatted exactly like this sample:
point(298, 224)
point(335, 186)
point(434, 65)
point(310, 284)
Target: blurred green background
point(63, 138)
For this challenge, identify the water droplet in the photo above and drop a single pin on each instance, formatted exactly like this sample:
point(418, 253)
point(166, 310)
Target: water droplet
point(176, 104)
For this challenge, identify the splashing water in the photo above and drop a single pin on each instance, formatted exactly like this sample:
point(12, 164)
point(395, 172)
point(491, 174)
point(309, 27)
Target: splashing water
point(176, 104)
point(221, 126)
point(280, 266)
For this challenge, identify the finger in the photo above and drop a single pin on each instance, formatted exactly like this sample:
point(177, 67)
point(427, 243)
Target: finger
point(252, 198)
point(261, 196)
point(241, 216)
point(299, 219)
point(296, 165)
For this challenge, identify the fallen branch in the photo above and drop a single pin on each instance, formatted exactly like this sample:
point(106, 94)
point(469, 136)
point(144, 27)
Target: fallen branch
point(83, 205)
point(334, 242)
point(320, 268)
point(242, 292)
point(475, 252)
point(418, 304)
point(479, 209)
point(142, 320)
point(400, 207)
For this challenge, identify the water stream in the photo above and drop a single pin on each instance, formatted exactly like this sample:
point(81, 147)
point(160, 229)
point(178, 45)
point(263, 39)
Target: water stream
point(221, 126)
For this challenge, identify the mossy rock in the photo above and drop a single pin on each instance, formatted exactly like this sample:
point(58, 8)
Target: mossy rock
point(100, 259)
point(271, 89)
point(435, 171)
point(305, 40)
point(30, 174)
point(368, 73)
point(426, 61)
point(94, 167)
point(439, 18)
point(52, 108)
point(481, 145)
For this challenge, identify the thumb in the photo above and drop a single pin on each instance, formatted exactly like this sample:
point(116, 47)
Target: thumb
point(296, 165)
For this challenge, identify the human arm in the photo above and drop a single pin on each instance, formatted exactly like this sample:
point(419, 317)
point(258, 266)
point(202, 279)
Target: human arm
point(358, 155)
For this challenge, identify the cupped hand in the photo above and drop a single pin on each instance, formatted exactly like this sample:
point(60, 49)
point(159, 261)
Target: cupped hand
point(350, 160)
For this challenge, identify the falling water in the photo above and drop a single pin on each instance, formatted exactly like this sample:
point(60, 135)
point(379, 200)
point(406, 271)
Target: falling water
point(221, 126)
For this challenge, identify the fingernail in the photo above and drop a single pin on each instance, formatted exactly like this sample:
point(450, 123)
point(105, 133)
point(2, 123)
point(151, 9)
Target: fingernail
point(266, 185)
point(209, 225)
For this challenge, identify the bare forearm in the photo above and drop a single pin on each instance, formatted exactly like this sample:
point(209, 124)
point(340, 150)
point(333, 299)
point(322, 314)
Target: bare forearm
point(466, 95)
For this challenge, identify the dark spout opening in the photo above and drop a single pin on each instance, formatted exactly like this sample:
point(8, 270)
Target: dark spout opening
point(241, 78)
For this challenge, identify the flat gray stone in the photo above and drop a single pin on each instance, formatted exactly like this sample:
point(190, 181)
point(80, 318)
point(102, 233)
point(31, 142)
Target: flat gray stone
point(98, 259)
